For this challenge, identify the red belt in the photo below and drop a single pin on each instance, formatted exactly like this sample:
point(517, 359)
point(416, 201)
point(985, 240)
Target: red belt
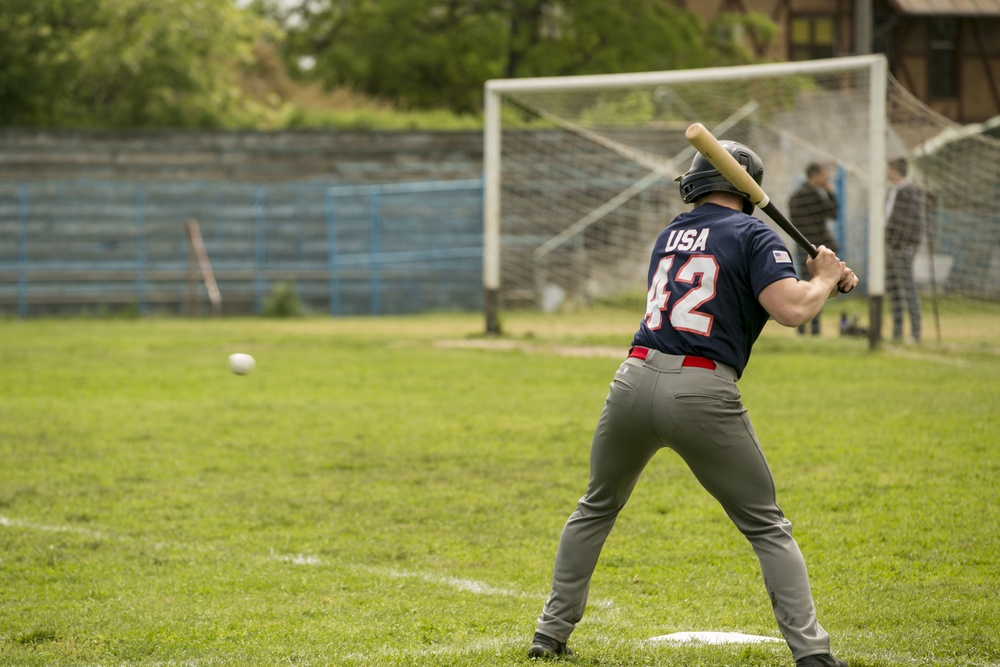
point(689, 361)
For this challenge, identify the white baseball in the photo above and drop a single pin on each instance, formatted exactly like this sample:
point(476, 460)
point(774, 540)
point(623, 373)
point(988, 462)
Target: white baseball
point(241, 363)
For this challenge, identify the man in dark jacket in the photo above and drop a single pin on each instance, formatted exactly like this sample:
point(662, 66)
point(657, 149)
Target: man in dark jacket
point(810, 206)
point(904, 215)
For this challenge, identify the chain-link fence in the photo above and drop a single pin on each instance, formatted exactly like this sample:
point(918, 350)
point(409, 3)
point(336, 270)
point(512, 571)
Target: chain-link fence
point(104, 247)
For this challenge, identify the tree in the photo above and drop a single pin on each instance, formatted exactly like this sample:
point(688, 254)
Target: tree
point(424, 53)
point(129, 63)
point(417, 53)
point(34, 39)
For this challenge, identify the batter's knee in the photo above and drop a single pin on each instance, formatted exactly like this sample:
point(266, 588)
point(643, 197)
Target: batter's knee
point(756, 528)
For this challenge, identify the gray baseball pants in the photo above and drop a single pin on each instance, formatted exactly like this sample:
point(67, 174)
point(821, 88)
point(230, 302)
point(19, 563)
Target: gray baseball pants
point(655, 403)
point(902, 290)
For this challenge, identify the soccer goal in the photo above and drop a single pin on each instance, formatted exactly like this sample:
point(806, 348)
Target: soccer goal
point(579, 172)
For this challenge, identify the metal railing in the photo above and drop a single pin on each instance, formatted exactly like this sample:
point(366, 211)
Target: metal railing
point(69, 247)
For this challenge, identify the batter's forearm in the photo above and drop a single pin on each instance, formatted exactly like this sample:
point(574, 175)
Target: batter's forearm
point(792, 302)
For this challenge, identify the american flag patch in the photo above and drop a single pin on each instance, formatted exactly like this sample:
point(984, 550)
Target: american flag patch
point(782, 257)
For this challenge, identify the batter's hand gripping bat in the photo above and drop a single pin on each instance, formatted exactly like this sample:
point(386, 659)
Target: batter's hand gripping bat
point(701, 138)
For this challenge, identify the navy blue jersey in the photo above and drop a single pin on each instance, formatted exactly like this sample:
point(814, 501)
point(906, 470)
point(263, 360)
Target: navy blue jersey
point(706, 271)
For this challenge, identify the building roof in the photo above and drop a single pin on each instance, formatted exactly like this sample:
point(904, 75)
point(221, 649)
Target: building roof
point(948, 7)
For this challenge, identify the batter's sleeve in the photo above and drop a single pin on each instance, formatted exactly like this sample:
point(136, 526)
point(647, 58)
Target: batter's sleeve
point(769, 260)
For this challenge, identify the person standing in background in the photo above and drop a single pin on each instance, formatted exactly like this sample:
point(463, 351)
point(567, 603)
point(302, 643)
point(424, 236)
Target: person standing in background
point(810, 206)
point(904, 215)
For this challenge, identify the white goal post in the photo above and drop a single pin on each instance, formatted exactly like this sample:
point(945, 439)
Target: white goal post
point(578, 171)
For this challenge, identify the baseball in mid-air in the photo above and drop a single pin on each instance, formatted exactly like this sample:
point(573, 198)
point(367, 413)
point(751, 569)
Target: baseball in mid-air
point(241, 363)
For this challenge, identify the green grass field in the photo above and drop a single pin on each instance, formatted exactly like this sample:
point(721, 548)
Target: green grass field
point(390, 492)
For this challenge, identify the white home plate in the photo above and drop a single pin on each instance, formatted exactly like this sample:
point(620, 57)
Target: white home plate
point(715, 638)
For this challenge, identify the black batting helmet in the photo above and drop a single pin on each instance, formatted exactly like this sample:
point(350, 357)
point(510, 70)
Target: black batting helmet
point(703, 178)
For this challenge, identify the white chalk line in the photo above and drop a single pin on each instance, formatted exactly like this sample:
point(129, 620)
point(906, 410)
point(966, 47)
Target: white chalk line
point(306, 560)
point(296, 559)
point(464, 585)
point(457, 583)
point(599, 610)
point(609, 352)
point(931, 358)
point(7, 522)
point(616, 352)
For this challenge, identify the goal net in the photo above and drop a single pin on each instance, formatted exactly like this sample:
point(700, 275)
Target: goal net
point(579, 175)
point(957, 266)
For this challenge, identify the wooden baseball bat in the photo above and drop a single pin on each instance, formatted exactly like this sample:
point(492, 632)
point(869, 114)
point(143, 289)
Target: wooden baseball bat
point(701, 138)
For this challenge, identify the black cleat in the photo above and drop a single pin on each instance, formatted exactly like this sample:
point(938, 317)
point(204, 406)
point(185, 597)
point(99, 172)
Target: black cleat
point(821, 660)
point(543, 646)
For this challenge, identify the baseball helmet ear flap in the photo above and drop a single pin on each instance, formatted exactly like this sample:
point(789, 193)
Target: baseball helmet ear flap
point(703, 178)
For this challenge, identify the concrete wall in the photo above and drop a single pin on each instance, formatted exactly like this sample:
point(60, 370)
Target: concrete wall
point(359, 222)
point(335, 157)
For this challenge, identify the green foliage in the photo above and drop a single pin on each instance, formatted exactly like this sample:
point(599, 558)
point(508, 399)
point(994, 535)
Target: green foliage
point(433, 54)
point(213, 64)
point(418, 53)
point(733, 33)
point(283, 302)
point(129, 63)
point(384, 492)
point(376, 118)
point(34, 38)
point(36, 636)
point(611, 109)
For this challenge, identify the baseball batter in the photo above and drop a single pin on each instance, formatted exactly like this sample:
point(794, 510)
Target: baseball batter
point(716, 276)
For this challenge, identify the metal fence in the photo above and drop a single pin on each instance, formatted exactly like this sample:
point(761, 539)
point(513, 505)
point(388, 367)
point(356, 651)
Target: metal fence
point(70, 247)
